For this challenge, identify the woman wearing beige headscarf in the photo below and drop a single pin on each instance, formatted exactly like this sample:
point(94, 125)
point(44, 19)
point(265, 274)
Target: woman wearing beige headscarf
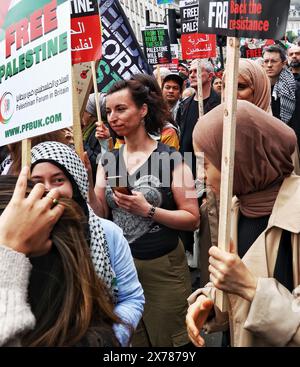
point(254, 85)
point(261, 273)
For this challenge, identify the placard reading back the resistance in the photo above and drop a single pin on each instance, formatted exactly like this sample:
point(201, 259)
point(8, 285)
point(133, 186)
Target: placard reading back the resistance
point(260, 19)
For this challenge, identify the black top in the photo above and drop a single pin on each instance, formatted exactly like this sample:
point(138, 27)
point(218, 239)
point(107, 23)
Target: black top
point(249, 229)
point(275, 105)
point(294, 122)
point(188, 120)
point(147, 239)
point(297, 76)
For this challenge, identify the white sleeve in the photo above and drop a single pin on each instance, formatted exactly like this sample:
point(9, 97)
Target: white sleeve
point(15, 313)
point(130, 303)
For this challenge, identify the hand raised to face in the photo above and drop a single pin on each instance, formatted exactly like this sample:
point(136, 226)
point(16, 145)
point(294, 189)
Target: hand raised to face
point(26, 222)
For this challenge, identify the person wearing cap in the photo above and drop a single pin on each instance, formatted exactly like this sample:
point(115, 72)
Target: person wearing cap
point(172, 87)
point(184, 72)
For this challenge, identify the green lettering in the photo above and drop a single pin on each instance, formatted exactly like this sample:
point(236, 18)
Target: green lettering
point(29, 59)
point(21, 62)
point(44, 51)
point(8, 71)
point(15, 68)
point(2, 72)
point(63, 42)
point(37, 51)
point(52, 47)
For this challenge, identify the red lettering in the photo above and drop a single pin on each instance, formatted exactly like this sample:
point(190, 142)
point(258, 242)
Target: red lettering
point(39, 25)
point(22, 33)
point(238, 8)
point(255, 8)
point(266, 26)
point(9, 39)
point(36, 27)
point(256, 52)
point(259, 8)
point(50, 21)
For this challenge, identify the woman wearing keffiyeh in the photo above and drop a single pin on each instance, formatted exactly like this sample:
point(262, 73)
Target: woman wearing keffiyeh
point(57, 165)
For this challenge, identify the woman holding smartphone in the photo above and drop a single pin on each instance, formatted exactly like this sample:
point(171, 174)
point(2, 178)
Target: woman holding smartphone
point(161, 203)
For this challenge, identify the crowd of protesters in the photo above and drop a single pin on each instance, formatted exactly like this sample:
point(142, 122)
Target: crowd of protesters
point(95, 253)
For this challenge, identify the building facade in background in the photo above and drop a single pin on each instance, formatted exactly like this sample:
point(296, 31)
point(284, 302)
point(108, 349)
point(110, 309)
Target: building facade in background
point(135, 10)
point(294, 19)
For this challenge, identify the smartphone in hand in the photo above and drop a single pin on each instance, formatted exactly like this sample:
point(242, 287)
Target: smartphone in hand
point(122, 189)
point(117, 184)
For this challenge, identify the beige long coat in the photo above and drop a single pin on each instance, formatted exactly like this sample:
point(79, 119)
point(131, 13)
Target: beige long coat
point(273, 317)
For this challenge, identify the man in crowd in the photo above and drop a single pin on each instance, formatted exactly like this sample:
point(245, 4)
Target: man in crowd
point(294, 61)
point(172, 87)
point(184, 72)
point(190, 109)
point(188, 120)
point(285, 90)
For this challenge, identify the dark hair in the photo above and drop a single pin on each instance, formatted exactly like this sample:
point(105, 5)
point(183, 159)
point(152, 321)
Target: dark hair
point(142, 93)
point(175, 78)
point(71, 304)
point(276, 48)
point(150, 82)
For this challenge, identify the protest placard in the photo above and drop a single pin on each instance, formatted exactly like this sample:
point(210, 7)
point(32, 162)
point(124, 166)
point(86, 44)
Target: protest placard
point(198, 46)
point(157, 45)
point(173, 66)
point(194, 45)
point(83, 82)
point(122, 56)
point(259, 19)
point(85, 31)
point(35, 69)
point(249, 53)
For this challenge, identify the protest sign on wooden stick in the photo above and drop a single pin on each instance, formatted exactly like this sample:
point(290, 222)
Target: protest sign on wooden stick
point(200, 89)
point(26, 152)
point(106, 144)
point(77, 132)
point(228, 151)
point(158, 76)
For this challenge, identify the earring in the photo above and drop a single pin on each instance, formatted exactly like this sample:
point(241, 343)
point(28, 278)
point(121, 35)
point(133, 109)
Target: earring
point(143, 121)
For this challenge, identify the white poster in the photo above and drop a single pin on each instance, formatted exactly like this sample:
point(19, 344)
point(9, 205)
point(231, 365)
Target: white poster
point(35, 69)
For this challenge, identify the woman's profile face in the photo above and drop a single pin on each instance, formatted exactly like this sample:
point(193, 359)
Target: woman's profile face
point(244, 91)
point(212, 176)
point(52, 177)
point(123, 115)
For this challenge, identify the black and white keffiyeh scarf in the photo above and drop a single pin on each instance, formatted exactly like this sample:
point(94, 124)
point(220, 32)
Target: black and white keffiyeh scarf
point(5, 165)
point(285, 89)
point(67, 158)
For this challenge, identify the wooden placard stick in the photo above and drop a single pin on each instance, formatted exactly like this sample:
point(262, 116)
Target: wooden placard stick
point(228, 152)
point(77, 132)
point(200, 90)
point(26, 153)
point(158, 76)
point(96, 92)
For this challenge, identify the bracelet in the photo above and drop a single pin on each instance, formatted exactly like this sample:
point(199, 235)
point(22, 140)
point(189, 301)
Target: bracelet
point(151, 212)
